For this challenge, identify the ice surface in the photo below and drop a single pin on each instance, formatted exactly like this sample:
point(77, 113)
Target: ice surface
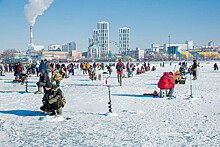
point(141, 120)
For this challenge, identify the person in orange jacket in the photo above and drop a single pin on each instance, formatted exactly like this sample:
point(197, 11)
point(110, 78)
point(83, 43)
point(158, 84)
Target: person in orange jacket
point(84, 68)
point(177, 76)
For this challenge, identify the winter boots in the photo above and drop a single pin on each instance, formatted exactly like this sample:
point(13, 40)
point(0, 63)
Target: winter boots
point(39, 90)
point(57, 112)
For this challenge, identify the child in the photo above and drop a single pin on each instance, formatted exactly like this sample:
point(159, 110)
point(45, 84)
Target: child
point(138, 71)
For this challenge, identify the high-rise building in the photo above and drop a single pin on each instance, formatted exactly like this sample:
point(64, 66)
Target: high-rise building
point(95, 37)
point(69, 46)
point(72, 46)
point(54, 47)
point(91, 42)
point(211, 43)
point(189, 44)
point(103, 38)
point(65, 47)
point(99, 44)
point(124, 40)
point(93, 51)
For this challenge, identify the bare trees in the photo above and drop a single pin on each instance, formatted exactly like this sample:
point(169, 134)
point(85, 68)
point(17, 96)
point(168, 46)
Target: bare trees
point(9, 53)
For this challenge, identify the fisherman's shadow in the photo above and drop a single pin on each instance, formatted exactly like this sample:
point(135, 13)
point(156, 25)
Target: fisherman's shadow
point(151, 84)
point(84, 80)
point(135, 95)
point(99, 114)
point(11, 91)
point(4, 79)
point(9, 82)
point(21, 92)
point(84, 85)
point(23, 112)
point(19, 82)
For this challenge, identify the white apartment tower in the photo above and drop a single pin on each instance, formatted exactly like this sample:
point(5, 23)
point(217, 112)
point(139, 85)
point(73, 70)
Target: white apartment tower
point(189, 44)
point(91, 42)
point(103, 38)
point(95, 37)
point(211, 43)
point(124, 40)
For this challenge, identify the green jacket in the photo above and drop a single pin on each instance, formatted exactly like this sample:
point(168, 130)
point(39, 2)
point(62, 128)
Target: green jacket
point(54, 97)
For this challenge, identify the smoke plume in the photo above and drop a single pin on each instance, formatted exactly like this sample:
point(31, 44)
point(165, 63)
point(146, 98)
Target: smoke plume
point(35, 8)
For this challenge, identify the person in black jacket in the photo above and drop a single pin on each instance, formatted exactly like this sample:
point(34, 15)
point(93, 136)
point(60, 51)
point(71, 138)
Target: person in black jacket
point(194, 69)
point(43, 79)
point(215, 66)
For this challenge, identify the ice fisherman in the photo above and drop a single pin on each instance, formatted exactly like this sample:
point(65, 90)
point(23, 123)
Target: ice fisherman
point(53, 100)
point(120, 66)
point(138, 71)
point(194, 69)
point(43, 79)
point(215, 66)
point(167, 82)
point(56, 76)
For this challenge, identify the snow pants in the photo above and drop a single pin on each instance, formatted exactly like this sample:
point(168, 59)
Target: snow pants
point(171, 91)
point(194, 75)
point(120, 78)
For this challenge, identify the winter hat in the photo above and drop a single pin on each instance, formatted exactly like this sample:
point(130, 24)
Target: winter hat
point(48, 85)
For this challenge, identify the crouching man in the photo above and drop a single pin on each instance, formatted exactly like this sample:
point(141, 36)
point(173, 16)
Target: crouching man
point(53, 100)
point(167, 82)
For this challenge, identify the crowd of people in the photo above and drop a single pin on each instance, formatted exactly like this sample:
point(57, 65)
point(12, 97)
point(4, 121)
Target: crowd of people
point(54, 100)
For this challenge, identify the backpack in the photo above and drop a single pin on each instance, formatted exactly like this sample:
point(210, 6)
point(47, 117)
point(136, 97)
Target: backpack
point(120, 67)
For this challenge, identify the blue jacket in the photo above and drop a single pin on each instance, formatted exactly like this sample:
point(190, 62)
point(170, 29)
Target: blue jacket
point(43, 66)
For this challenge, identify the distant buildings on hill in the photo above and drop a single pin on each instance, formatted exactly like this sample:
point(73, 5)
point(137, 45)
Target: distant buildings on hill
point(54, 51)
point(99, 47)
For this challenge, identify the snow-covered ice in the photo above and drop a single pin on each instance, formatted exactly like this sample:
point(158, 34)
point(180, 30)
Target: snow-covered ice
point(137, 119)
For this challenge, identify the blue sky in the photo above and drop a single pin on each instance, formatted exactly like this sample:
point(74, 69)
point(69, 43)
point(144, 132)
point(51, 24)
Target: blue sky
point(150, 21)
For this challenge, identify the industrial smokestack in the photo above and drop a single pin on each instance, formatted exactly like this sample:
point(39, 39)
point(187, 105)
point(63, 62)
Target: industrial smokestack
point(31, 37)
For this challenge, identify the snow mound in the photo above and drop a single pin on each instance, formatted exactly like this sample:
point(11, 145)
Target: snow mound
point(111, 114)
point(52, 118)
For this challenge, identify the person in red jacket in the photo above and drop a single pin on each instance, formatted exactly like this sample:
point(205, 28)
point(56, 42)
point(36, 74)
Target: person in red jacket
point(167, 82)
point(19, 68)
point(120, 66)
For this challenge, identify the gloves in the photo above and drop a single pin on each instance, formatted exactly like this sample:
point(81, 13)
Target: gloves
point(45, 107)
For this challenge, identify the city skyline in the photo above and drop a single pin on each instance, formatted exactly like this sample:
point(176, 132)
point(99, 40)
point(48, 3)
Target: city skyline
point(150, 22)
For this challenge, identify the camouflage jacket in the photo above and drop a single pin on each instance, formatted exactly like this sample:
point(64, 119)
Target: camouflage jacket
point(54, 97)
point(56, 76)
